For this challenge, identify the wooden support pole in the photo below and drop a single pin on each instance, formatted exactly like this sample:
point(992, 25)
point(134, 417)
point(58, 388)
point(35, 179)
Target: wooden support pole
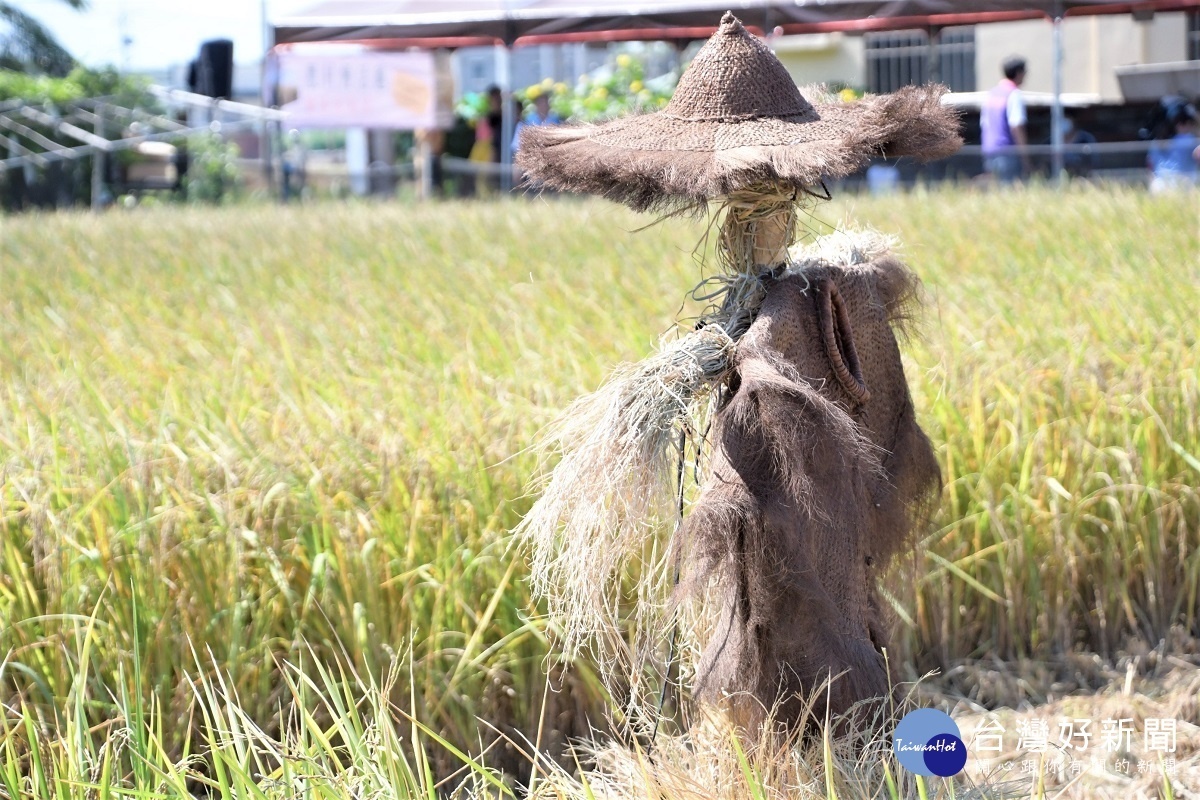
point(29, 133)
point(74, 131)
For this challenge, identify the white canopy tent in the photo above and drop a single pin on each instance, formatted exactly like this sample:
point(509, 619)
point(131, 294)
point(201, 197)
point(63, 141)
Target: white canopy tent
point(516, 22)
point(509, 23)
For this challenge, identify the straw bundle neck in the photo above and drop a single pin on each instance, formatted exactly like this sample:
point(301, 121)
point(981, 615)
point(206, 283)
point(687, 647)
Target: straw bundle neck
point(757, 229)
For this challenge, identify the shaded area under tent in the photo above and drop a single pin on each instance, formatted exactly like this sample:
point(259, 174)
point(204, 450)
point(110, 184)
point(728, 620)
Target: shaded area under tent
point(514, 23)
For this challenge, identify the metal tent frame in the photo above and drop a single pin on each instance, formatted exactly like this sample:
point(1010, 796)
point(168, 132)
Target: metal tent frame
point(41, 134)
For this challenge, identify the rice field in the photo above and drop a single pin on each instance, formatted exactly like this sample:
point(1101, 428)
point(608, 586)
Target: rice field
point(258, 465)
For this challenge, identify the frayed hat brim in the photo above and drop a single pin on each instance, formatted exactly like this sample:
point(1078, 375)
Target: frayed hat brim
point(661, 162)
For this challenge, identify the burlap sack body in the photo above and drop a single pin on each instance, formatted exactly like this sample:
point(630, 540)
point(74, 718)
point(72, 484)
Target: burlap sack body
point(819, 468)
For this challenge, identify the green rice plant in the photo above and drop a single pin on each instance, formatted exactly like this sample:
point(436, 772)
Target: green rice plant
point(343, 737)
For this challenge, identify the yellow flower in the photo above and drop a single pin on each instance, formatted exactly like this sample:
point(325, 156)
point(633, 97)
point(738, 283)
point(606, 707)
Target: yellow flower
point(635, 87)
point(547, 83)
point(847, 96)
point(560, 88)
point(624, 60)
point(601, 92)
point(533, 92)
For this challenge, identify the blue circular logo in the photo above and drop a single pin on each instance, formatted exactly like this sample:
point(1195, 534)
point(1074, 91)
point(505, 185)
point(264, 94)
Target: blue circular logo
point(928, 742)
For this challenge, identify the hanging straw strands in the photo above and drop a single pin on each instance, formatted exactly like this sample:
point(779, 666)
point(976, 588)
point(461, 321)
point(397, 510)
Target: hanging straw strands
point(613, 485)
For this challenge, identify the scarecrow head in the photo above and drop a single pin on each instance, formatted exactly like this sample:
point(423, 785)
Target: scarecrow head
point(737, 127)
point(817, 463)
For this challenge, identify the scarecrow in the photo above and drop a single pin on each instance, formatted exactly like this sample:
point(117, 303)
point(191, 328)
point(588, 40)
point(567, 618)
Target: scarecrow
point(790, 385)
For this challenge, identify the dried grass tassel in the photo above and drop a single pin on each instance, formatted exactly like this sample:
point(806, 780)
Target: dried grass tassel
point(611, 488)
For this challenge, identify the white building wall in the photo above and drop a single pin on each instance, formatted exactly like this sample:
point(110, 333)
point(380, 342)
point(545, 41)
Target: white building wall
point(823, 58)
point(1092, 46)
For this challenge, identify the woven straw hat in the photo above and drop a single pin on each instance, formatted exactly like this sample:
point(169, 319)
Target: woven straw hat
point(736, 120)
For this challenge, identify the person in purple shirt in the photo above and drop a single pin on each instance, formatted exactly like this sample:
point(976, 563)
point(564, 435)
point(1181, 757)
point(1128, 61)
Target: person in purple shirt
point(1002, 124)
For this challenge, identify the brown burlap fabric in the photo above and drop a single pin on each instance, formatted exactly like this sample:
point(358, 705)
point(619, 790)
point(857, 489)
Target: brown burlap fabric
point(818, 468)
point(736, 120)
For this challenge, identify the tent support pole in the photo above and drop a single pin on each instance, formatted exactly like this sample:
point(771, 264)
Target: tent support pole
point(1057, 174)
point(98, 165)
point(97, 179)
point(507, 120)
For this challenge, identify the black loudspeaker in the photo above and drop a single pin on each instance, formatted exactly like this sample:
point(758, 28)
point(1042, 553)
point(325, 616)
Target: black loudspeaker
point(214, 73)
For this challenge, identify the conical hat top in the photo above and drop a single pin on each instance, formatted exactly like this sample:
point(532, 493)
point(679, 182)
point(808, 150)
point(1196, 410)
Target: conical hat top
point(736, 121)
point(735, 76)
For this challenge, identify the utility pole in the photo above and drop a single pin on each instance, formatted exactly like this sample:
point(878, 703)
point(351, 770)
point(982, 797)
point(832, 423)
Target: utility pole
point(267, 92)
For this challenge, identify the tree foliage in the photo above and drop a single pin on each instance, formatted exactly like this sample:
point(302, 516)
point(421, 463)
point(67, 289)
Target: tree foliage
point(26, 45)
point(79, 83)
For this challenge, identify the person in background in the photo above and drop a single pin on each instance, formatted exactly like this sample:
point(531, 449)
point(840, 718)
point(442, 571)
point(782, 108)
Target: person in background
point(459, 141)
point(1078, 163)
point(1002, 124)
point(295, 159)
point(495, 119)
point(1175, 161)
point(883, 177)
point(540, 115)
point(435, 140)
point(487, 141)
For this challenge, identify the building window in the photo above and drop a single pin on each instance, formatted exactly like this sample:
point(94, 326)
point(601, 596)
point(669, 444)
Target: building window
point(956, 59)
point(903, 58)
point(1193, 36)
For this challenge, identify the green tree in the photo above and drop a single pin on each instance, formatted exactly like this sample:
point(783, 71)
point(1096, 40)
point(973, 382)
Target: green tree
point(27, 46)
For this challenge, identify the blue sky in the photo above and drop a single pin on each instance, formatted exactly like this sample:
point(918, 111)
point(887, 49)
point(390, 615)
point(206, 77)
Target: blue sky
point(164, 32)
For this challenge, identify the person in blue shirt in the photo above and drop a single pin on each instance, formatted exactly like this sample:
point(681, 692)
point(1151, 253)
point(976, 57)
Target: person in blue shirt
point(1175, 162)
point(540, 115)
point(1079, 163)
